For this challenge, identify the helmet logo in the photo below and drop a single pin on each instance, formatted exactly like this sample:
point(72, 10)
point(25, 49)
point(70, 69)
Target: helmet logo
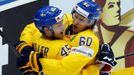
point(97, 9)
point(42, 14)
point(86, 4)
point(53, 9)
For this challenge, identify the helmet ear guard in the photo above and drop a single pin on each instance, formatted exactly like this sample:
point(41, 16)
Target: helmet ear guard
point(73, 11)
point(42, 29)
point(93, 25)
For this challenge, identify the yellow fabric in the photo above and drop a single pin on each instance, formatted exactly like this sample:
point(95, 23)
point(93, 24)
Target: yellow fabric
point(67, 20)
point(28, 33)
point(90, 70)
point(67, 66)
point(74, 63)
point(86, 38)
point(126, 71)
point(51, 48)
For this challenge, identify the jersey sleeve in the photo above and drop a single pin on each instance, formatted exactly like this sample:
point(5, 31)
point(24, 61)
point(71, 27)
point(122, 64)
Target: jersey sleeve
point(26, 38)
point(93, 69)
point(28, 33)
point(67, 22)
point(84, 51)
point(69, 65)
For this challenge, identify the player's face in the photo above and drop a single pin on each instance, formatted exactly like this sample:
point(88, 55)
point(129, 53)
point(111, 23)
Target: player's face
point(110, 14)
point(58, 30)
point(80, 23)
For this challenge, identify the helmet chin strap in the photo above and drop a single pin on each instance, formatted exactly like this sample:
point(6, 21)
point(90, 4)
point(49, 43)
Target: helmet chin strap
point(92, 24)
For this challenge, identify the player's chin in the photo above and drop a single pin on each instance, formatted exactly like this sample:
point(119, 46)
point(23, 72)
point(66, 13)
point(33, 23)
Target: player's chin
point(76, 31)
point(59, 36)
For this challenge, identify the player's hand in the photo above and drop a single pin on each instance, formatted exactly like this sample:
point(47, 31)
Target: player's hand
point(34, 61)
point(29, 63)
point(23, 65)
point(23, 48)
point(106, 58)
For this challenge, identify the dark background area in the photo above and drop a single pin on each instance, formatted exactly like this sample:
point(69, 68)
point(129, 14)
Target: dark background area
point(13, 21)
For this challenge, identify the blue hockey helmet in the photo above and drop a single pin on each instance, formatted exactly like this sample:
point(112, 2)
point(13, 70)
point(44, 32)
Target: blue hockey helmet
point(88, 9)
point(47, 16)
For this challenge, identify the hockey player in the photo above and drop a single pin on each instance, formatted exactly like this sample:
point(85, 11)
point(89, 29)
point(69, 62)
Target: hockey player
point(48, 42)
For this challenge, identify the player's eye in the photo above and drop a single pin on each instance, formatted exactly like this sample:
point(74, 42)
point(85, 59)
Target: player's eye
point(75, 16)
point(82, 20)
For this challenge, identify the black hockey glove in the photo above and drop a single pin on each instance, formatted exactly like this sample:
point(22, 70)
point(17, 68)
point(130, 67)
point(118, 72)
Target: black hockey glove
point(34, 61)
point(23, 64)
point(29, 64)
point(106, 58)
point(23, 48)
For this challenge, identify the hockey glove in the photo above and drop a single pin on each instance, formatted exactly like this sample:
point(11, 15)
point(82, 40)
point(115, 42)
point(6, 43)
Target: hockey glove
point(23, 48)
point(22, 62)
point(28, 64)
point(23, 65)
point(34, 61)
point(106, 58)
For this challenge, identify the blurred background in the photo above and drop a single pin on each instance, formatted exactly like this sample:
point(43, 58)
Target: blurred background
point(116, 27)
